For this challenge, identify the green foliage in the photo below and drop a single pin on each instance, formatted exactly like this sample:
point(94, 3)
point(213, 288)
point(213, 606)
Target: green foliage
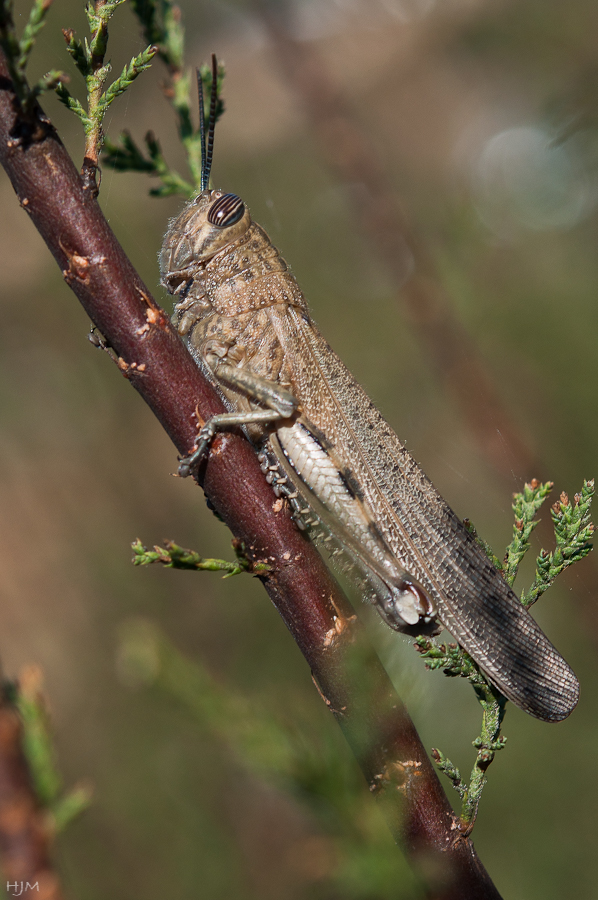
point(174, 557)
point(355, 853)
point(162, 27)
point(127, 157)
point(525, 506)
point(88, 56)
point(18, 52)
point(39, 751)
point(161, 24)
point(92, 119)
point(456, 662)
point(573, 529)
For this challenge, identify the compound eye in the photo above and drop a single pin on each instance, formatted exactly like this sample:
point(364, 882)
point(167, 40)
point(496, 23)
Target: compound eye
point(226, 211)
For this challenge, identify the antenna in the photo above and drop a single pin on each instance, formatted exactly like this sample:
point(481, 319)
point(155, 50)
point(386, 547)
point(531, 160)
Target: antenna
point(207, 147)
point(202, 127)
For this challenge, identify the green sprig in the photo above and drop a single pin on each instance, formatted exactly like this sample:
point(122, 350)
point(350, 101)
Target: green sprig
point(39, 751)
point(73, 104)
point(452, 659)
point(525, 506)
point(162, 27)
point(18, 52)
point(98, 15)
point(450, 770)
point(456, 662)
point(174, 557)
point(128, 75)
point(88, 56)
point(573, 530)
point(126, 156)
point(78, 51)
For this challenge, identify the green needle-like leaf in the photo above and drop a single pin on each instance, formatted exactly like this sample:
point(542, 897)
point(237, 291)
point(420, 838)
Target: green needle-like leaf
point(79, 52)
point(37, 742)
point(573, 530)
point(128, 75)
point(36, 22)
point(450, 770)
point(174, 557)
point(67, 808)
point(525, 506)
point(72, 103)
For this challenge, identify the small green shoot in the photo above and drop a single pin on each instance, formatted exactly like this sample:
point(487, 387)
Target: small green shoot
point(171, 556)
point(525, 506)
point(455, 662)
point(89, 56)
point(162, 27)
point(39, 751)
point(573, 530)
point(18, 51)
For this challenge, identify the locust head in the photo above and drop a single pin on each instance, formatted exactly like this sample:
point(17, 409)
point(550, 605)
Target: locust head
point(211, 221)
point(208, 224)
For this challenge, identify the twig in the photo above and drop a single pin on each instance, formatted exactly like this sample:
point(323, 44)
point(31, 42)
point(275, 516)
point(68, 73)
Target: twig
point(89, 57)
point(573, 529)
point(454, 662)
point(18, 52)
point(171, 556)
point(364, 702)
point(25, 835)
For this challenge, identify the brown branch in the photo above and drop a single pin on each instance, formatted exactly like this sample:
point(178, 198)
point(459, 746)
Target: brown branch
point(25, 837)
point(157, 364)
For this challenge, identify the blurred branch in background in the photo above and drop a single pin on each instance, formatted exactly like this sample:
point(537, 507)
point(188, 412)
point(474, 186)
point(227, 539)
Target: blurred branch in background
point(352, 848)
point(154, 360)
point(32, 807)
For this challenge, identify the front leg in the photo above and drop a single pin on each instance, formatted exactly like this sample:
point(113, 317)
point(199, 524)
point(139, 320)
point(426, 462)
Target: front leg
point(280, 402)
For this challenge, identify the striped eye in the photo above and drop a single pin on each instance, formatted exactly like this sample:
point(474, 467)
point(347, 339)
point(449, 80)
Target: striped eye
point(227, 210)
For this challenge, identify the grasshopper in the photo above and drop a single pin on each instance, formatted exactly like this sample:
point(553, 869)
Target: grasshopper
point(327, 449)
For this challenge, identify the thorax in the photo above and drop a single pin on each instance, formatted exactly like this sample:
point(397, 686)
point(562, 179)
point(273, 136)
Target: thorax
point(249, 274)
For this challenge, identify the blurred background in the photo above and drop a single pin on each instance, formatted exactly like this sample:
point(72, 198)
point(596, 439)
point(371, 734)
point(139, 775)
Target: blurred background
point(429, 170)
